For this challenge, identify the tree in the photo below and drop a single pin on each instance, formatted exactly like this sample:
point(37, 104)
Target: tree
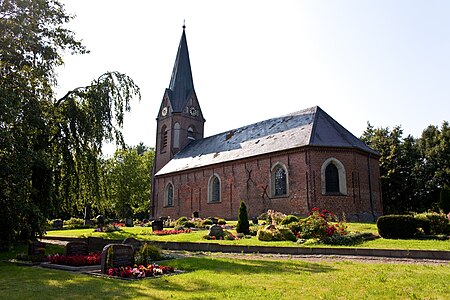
point(444, 199)
point(243, 225)
point(129, 181)
point(49, 148)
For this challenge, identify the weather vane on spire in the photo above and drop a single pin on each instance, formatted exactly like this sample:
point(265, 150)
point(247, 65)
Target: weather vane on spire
point(184, 24)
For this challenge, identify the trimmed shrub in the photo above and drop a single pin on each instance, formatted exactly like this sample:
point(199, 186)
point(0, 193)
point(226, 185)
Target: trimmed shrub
point(289, 219)
point(242, 225)
point(189, 224)
point(347, 240)
point(264, 235)
point(397, 226)
point(207, 222)
point(287, 235)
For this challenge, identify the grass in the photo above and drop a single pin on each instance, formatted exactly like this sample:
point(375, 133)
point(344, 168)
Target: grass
point(220, 278)
point(144, 233)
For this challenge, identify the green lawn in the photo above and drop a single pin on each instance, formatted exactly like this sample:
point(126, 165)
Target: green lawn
point(144, 233)
point(219, 278)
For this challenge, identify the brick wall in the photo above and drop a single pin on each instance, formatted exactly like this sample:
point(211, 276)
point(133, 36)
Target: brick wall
point(249, 180)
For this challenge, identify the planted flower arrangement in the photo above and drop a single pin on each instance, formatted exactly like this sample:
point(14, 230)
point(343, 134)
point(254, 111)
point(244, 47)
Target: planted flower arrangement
point(141, 271)
point(76, 260)
point(171, 231)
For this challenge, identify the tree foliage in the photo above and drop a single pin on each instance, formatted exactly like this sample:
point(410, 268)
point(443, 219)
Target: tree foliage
point(49, 148)
point(413, 171)
point(128, 177)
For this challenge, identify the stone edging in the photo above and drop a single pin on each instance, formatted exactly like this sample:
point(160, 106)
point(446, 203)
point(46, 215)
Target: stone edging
point(213, 247)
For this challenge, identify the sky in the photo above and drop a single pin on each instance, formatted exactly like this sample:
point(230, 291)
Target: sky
point(384, 62)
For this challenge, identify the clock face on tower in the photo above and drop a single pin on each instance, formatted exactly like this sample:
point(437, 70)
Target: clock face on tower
point(164, 111)
point(193, 111)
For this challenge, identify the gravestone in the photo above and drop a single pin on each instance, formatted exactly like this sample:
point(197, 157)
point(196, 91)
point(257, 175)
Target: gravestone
point(255, 220)
point(157, 225)
point(36, 248)
point(214, 220)
point(77, 248)
point(96, 244)
point(58, 224)
point(195, 214)
point(216, 231)
point(117, 255)
point(133, 242)
point(129, 222)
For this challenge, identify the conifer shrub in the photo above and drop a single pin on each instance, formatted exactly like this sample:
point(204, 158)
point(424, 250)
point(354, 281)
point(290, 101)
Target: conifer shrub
point(243, 225)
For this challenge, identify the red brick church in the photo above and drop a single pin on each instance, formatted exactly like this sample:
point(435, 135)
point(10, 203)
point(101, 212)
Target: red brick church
point(289, 164)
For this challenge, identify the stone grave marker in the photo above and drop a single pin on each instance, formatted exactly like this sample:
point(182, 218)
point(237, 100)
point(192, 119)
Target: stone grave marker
point(77, 248)
point(255, 220)
point(216, 231)
point(157, 225)
point(58, 224)
point(133, 242)
point(117, 255)
point(36, 248)
point(96, 244)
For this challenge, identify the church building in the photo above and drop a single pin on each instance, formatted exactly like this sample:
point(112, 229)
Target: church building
point(289, 164)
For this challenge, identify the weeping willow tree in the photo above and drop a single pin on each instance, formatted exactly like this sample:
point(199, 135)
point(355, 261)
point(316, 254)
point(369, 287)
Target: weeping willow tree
point(50, 149)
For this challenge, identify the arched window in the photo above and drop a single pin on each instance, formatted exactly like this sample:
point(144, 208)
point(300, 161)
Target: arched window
point(214, 193)
point(176, 135)
point(164, 138)
point(168, 195)
point(191, 133)
point(333, 177)
point(279, 180)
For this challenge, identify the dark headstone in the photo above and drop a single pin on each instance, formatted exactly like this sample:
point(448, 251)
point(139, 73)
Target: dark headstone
point(255, 220)
point(133, 242)
point(77, 248)
point(117, 255)
point(195, 214)
point(214, 220)
point(96, 244)
point(36, 248)
point(216, 231)
point(58, 224)
point(100, 220)
point(157, 225)
point(129, 222)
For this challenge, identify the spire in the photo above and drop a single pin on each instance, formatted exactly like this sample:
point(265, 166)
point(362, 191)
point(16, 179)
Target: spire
point(181, 83)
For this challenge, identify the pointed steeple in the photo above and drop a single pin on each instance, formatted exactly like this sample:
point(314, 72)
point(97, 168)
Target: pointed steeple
point(181, 83)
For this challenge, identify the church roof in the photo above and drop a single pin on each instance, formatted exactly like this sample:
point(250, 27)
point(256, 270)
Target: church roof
point(181, 84)
point(308, 127)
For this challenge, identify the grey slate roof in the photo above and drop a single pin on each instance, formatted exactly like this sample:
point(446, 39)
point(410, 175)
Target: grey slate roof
point(308, 127)
point(181, 84)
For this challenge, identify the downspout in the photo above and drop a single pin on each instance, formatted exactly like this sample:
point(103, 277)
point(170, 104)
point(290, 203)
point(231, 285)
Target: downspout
point(370, 186)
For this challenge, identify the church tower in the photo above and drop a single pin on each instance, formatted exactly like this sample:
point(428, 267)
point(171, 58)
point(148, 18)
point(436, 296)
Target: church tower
point(180, 119)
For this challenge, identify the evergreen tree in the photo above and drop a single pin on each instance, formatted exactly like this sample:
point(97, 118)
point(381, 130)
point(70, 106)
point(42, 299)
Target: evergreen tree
point(242, 225)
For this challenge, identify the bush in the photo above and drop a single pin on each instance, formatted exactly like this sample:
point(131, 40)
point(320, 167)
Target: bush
point(346, 240)
point(147, 253)
point(287, 235)
point(295, 227)
point(189, 224)
point(242, 225)
point(397, 226)
point(435, 223)
point(265, 235)
point(180, 221)
point(221, 222)
point(289, 219)
point(207, 222)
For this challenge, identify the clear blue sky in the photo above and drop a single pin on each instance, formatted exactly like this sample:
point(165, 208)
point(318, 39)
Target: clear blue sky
point(387, 62)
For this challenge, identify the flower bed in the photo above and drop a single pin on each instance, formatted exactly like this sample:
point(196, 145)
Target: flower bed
point(76, 260)
point(171, 231)
point(140, 271)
